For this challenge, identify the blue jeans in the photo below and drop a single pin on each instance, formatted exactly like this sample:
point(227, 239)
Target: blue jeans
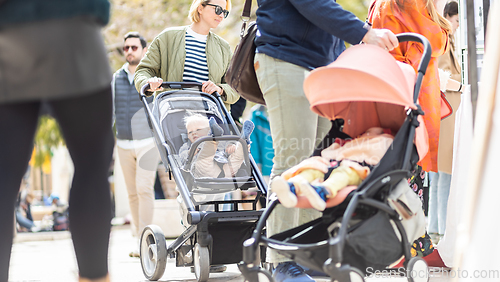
point(438, 201)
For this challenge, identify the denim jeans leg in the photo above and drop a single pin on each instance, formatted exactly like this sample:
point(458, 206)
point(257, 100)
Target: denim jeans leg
point(443, 193)
point(433, 203)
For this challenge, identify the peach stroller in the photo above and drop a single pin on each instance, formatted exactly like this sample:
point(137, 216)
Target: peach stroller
point(368, 227)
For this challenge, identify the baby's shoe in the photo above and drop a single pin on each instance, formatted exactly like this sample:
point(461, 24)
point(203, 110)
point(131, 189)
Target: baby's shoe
point(215, 128)
point(284, 191)
point(248, 127)
point(290, 271)
point(316, 194)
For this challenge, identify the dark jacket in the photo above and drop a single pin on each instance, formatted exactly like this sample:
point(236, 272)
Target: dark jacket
point(130, 119)
point(22, 11)
point(305, 32)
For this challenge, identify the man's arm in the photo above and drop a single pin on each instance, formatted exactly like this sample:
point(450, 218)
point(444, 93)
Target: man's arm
point(331, 17)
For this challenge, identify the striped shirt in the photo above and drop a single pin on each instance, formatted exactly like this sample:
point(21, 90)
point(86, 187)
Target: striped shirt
point(195, 66)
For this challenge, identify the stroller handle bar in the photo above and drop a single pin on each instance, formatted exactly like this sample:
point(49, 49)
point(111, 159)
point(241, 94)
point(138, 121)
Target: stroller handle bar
point(173, 85)
point(424, 62)
point(426, 56)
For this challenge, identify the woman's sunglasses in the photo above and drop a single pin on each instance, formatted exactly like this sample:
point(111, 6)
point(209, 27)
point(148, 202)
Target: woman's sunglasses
point(126, 47)
point(218, 10)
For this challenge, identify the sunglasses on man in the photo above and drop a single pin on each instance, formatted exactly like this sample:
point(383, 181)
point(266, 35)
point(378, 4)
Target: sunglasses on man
point(218, 10)
point(126, 47)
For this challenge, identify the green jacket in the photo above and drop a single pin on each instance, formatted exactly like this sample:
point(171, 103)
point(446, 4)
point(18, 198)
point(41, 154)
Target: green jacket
point(166, 55)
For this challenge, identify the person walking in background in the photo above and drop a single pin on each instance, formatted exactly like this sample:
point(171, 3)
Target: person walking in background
point(440, 183)
point(57, 57)
point(423, 17)
point(262, 142)
point(191, 53)
point(294, 37)
point(135, 145)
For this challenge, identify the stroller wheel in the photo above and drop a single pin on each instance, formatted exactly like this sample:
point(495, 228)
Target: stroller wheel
point(356, 275)
point(201, 263)
point(264, 276)
point(153, 252)
point(417, 270)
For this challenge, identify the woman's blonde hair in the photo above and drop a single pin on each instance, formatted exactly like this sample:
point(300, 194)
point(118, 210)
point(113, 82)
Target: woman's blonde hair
point(194, 16)
point(431, 8)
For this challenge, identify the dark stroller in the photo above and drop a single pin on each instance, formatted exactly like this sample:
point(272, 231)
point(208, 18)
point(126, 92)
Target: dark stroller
point(215, 228)
point(376, 223)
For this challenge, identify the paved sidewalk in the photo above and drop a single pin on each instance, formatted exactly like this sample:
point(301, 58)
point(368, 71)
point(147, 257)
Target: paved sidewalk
point(49, 257)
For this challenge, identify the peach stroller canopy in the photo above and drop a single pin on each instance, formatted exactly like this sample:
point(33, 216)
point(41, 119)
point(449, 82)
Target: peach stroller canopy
point(366, 87)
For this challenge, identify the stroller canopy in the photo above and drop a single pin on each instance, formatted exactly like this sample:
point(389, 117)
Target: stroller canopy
point(367, 88)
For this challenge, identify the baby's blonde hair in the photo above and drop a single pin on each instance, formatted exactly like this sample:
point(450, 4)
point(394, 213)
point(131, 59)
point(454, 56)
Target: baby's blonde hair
point(194, 117)
point(194, 16)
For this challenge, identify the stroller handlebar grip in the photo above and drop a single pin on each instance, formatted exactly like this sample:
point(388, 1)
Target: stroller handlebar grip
point(415, 37)
point(424, 60)
point(171, 85)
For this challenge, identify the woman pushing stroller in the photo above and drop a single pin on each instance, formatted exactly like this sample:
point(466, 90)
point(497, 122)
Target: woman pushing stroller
point(191, 53)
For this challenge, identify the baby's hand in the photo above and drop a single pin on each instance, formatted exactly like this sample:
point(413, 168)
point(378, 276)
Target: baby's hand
point(230, 149)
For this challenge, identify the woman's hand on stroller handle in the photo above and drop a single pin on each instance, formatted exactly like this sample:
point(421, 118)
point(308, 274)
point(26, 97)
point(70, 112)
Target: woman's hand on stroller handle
point(381, 37)
point(155, 84)
point(210, 87)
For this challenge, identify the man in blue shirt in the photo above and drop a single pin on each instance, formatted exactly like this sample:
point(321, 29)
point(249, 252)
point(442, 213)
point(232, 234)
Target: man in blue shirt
point(295, 37)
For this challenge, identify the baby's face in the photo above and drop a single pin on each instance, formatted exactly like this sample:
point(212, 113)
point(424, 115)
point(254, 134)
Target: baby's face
point(197, 129)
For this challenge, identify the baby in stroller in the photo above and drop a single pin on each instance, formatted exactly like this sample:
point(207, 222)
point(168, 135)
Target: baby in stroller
point(344, 163)
point(210, 160)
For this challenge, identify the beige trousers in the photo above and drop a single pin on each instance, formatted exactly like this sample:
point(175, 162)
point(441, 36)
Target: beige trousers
point(137, 165)
point(295, 130)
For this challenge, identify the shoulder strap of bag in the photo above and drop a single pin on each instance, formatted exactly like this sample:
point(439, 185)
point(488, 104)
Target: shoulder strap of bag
point(245, 16)
point(246, 10)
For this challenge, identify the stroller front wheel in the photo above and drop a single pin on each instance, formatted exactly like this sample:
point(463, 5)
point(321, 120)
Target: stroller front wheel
point(201, 263)
point(264, 276)
point(417, 270)
point(356, 275)
point(153, 252)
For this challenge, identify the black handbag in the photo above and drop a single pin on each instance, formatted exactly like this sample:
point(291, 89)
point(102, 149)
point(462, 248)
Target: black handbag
point(241, 72)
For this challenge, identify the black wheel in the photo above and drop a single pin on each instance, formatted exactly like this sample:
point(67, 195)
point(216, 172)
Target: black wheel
point(417, 270)
point(153, 252)
point(356, 275)
point(201, 261)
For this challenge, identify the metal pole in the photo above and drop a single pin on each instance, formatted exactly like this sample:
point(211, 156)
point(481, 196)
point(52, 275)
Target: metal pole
point(486, 10)
point(471, 55)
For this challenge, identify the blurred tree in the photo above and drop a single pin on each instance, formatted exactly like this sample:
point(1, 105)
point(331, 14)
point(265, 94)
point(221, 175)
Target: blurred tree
point(357, 7)
point(48, 136)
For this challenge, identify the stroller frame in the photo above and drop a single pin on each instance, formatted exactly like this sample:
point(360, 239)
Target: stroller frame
point(203, 242)
point(334, 248)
